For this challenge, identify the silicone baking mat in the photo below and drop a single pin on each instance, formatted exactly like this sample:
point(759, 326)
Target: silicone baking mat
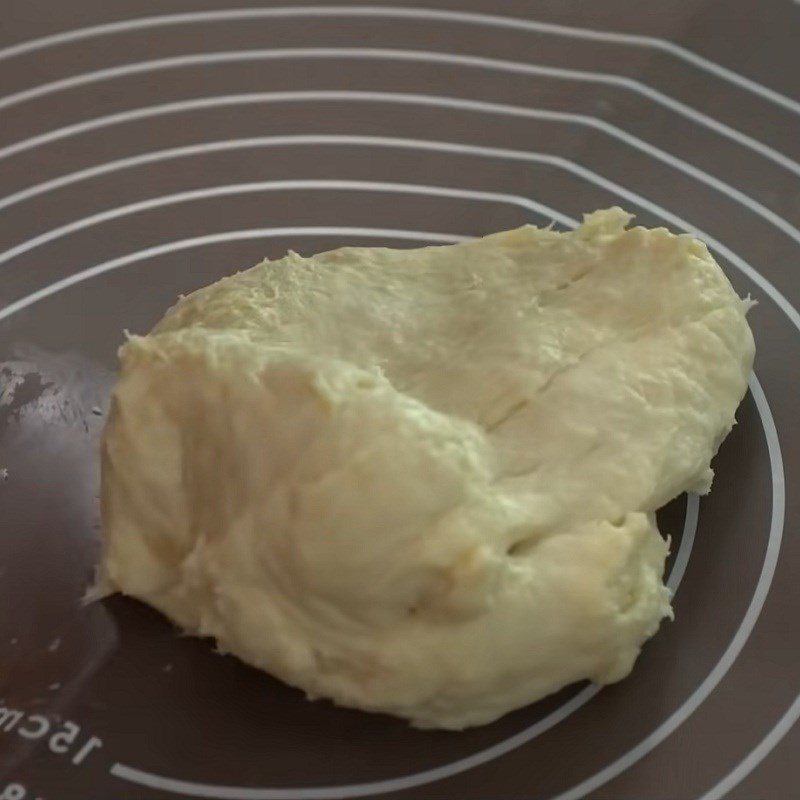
point(149, 148)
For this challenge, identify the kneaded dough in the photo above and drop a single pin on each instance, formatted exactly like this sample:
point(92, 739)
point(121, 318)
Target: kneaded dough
point(422, 482)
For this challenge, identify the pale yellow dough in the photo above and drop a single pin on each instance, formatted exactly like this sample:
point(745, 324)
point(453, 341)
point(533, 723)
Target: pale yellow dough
point(422, 481)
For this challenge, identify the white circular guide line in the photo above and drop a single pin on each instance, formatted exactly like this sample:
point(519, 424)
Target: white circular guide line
point(402, 98)
point(760, 752)
point(675, 577)
point(418, 56)
point(244, 793)
point(215, 238)
point(418, 144)
point(277, 186)
point(422, 14)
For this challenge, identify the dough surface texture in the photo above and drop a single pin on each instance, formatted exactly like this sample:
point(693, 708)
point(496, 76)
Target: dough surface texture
point(422, 482)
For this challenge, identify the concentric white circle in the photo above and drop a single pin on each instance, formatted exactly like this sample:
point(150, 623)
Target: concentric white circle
point(400, 12)
point(444, 147)
point(407, 98)
point(754, 206)
point(418, 56)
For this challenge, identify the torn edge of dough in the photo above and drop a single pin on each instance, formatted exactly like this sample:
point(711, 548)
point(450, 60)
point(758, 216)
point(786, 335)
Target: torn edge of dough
point(100, 587)
point(605, 222)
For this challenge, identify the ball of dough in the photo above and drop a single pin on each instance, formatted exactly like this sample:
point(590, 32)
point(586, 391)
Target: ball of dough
point(422, 482)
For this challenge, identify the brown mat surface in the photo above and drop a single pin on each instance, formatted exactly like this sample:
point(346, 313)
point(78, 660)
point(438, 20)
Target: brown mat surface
point(142, 156)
